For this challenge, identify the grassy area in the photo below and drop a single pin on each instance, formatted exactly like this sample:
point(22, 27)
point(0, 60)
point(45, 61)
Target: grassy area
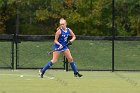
point(88, 54)
point(58, 81)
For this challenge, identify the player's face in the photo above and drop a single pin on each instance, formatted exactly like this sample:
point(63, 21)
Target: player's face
point(63, 24)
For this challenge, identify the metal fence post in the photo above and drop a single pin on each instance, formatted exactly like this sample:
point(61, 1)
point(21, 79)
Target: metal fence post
point(113, 33)
point(66, 64)
point(12, 46)
point(17, 32)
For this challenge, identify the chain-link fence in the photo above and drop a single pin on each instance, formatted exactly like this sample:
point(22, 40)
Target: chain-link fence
point(6, 51)
point(89, 53)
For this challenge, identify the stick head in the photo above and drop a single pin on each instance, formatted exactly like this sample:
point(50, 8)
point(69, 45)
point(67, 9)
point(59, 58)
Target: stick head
point(49, 52)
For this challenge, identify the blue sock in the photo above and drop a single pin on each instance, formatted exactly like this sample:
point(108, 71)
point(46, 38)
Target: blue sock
point(73, 66)
point(47, 66)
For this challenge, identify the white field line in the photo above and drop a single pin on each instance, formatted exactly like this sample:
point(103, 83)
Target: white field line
point(25, 75)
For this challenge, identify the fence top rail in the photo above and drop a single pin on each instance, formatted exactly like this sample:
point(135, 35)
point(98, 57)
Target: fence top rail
point(79, 37)
point(6, 37)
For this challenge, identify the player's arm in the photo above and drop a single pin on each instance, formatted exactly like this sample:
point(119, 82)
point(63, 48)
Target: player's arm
point(73, 36)
point(57, 34)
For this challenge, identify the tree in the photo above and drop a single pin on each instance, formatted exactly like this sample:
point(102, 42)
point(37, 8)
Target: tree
point(85, 17)
point(127, 17)
point(3, 15)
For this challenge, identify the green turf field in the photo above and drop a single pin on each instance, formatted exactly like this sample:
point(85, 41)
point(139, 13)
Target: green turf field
point(59, 81)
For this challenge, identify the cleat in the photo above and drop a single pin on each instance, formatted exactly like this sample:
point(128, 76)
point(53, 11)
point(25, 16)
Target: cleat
point(77, 75)
point(41, 73)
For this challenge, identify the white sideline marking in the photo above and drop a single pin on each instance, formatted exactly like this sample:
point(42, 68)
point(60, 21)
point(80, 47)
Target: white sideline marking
point(24, 75)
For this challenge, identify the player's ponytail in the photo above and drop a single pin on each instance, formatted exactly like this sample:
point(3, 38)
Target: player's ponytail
point(58, 28)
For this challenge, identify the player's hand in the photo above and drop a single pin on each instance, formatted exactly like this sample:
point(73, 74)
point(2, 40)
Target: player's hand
point(60, 46)
point(69, 43)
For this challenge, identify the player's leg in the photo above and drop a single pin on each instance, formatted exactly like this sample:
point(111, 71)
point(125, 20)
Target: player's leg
point(50, 63)
point(70, 60)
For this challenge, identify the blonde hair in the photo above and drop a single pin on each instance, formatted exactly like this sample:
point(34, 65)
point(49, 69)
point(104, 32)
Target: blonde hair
point(61, 21)
point(58, 28)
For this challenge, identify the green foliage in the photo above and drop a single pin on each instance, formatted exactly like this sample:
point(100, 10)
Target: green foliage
point(84, 17)
point(127, 17)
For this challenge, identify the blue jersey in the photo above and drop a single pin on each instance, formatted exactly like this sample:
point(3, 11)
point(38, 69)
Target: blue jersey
point(62, 39)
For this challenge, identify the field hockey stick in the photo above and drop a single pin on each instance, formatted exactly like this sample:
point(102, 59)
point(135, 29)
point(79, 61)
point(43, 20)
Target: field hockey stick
point(69, 43)
point(54, 50)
